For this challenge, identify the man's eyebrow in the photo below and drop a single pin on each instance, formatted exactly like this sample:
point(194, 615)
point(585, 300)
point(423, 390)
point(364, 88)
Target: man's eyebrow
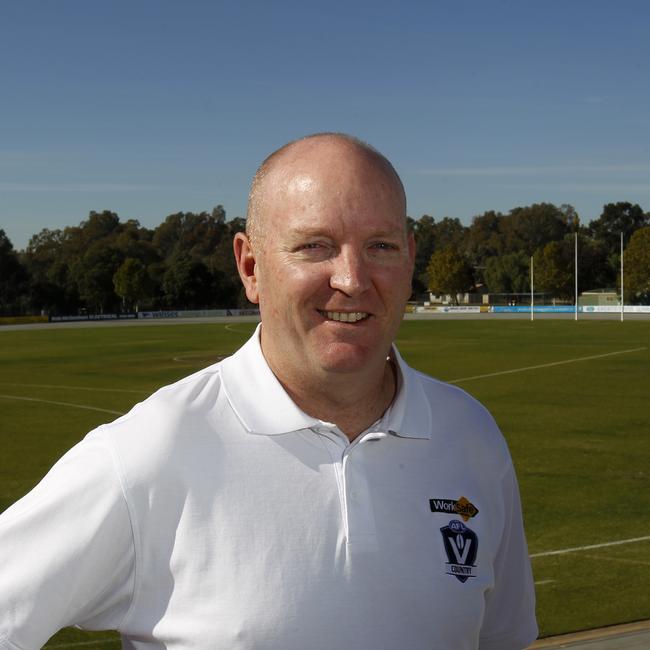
point(306, 231)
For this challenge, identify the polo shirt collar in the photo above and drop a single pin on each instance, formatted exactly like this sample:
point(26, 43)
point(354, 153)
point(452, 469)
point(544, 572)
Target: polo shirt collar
point(409, 416)
point(264, 407)
point(255, 394)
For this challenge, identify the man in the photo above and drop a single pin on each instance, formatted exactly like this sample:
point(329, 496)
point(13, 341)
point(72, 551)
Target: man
point(311, 491)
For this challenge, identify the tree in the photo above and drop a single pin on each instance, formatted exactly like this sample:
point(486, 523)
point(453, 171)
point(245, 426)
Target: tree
point(449, 232)
point(595, 271)
point(188, 284)
point(134, 241)
point(48, 258)
point(424, 233)
point(570, 216)
point(187, 233)
point(83, 266)
point(223, 268)
point(637, 266)
point(93, 273)
point(522, 231)
point(554, 269)
point(99, 225)
point(13, 277)
point(484, 237)
point(508, 273)
point(449, 272)
point(617, 218)
point(131, 282)
point(429, 237)
point(528, 228)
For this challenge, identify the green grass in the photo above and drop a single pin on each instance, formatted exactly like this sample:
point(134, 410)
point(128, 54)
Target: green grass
point(578, 431)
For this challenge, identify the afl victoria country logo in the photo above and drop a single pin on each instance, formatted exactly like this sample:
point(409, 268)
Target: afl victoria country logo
point(461, 545)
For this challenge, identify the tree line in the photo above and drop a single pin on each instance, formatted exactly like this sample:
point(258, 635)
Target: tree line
point(106, 265)
point(495, 251)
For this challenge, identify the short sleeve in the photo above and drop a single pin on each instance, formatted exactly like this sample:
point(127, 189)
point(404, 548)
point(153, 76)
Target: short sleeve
point(509, 622)
point(66, 551)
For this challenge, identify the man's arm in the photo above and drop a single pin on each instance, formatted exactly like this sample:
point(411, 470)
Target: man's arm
point(509, 622)
point(66, 551)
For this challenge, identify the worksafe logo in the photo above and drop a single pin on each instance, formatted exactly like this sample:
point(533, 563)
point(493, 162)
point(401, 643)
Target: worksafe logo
point(463, 507)
point(461, 545)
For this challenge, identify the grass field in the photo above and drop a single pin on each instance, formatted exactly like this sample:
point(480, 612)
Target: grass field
point(571, 398)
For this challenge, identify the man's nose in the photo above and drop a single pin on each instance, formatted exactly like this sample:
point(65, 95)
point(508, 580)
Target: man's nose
point(350, 274)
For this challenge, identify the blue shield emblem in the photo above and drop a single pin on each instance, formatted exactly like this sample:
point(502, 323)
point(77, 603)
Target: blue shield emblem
point(461, 545)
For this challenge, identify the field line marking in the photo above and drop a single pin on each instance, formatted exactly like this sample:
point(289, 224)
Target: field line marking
point(90, 388)
point(589, 547)
point(620, 560)
point(545, 365)
point(230, 327)
point(49, 401)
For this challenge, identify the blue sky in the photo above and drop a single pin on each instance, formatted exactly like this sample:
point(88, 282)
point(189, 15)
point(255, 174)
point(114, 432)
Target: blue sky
point(150, 107)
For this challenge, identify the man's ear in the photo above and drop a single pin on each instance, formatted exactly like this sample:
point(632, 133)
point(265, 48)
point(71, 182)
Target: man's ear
point(246, 265)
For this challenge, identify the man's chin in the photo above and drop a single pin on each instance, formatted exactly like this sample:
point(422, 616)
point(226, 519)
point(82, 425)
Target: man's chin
point(346, 358)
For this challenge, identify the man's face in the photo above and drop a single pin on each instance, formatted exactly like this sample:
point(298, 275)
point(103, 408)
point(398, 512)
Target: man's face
point(333, 267)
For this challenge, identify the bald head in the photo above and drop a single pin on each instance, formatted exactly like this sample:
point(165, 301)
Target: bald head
point(293, 163)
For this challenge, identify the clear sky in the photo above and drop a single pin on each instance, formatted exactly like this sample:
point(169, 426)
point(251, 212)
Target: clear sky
point(149, 107)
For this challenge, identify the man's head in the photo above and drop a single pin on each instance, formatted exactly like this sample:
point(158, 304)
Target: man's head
point(257, 197)
point(327, 257)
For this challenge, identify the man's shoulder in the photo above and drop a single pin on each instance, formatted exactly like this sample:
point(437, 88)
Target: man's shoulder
point(449, 399)
point(458, 418)
point(191, 394)
point(173, 417)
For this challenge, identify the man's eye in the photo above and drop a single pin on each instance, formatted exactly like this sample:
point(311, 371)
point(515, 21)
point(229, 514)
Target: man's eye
point(382, 245)
point(311, 247)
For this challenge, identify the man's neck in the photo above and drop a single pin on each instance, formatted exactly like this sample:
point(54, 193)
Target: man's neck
point(352, 402)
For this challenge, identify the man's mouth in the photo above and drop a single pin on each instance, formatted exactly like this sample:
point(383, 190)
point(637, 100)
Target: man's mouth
point(344, 316)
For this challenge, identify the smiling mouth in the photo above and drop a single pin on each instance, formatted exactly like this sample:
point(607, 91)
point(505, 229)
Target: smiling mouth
point(344, 316)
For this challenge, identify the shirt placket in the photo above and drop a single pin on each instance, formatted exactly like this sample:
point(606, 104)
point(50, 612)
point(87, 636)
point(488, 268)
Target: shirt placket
point(350, 466)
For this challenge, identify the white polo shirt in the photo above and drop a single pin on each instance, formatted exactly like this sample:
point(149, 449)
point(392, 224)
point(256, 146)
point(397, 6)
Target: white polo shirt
point(216, 514)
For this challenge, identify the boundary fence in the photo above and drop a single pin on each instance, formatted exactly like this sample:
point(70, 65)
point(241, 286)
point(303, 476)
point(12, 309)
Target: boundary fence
point(537, 309)
point(151, 315)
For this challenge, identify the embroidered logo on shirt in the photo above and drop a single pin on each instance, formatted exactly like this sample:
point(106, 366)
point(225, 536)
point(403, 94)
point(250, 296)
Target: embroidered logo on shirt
point(463, 507)
point(461, 545)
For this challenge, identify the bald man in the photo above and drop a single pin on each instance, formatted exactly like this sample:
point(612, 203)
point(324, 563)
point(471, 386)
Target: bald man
point(312, 490)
